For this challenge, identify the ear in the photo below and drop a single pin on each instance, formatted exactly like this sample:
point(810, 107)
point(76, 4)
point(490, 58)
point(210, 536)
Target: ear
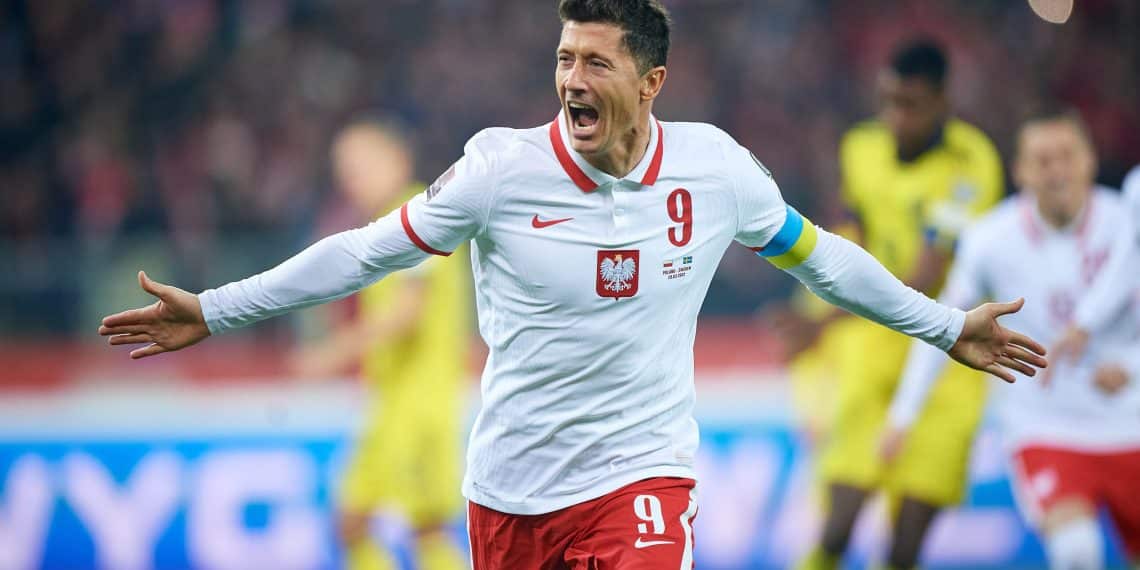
point(651, 83)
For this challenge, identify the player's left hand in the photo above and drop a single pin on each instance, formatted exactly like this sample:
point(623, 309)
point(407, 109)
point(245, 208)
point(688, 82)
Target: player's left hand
point(986, 345)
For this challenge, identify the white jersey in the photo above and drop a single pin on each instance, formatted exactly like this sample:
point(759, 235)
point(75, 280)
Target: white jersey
point(1121, 276)
point(588, 289)
point(1013, 253)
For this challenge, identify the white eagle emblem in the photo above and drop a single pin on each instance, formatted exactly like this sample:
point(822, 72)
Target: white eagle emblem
point(617, 273)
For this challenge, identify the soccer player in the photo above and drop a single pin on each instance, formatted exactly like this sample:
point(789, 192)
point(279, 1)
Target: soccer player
point(1074, 445)
point(1115, 286)
point(912, 178)
point(406, 458)
point(593, 241)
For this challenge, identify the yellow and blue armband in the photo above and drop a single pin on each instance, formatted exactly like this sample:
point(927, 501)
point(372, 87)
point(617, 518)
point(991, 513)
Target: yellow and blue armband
point(792, 244)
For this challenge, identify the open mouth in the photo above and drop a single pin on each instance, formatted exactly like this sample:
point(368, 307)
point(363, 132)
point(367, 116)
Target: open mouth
point(582, 116)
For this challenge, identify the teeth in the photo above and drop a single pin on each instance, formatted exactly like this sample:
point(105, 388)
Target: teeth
point(580, 106)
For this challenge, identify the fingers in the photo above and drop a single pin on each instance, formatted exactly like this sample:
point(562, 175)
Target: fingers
point(105, 330)
point(133, 317)
point(1007, 308)
point(1017, 365)
point(1024, 341)
point(997, 370)
point(1018, 353)
point(130, 339)
point(146, 351)
point(139, 316)
point(153, 287)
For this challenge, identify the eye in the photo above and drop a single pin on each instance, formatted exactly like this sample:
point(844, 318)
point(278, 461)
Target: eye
point(564, 59)
point(598, 63)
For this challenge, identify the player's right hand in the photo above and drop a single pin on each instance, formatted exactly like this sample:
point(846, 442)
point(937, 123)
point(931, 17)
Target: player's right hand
point(173, 322)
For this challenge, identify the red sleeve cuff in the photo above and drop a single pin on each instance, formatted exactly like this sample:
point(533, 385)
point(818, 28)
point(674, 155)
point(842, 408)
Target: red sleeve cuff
point(415, 238)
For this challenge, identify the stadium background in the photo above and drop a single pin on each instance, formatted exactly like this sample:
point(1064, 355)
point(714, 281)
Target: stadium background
point(190, 138)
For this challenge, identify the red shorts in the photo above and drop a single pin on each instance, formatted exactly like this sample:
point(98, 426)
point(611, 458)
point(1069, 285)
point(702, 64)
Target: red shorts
point(1045, 476)
point(645, 525)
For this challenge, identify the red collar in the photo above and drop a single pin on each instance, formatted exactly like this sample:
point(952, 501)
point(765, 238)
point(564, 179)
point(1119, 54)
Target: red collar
point(1035, 231)
point(1028, 223)
point(580, 178)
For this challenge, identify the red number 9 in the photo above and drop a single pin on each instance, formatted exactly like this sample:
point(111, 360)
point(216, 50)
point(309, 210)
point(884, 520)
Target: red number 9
point(680, 206)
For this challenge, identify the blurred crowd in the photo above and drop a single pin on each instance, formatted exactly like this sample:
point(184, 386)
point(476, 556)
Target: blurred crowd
point(191, 137)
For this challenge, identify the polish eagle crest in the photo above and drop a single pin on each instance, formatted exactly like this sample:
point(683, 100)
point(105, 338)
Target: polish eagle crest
point(617, 272)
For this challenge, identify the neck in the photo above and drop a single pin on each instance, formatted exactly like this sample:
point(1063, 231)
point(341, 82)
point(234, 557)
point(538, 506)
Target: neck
point(627, 152)
point(1061, 218)
point(393, 198)
point(913, 150)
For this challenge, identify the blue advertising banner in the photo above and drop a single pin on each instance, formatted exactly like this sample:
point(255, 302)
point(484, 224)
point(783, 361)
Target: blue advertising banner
point(261, 499)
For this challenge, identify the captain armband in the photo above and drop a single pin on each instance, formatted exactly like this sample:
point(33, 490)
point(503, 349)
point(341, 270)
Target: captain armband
point(792, 244)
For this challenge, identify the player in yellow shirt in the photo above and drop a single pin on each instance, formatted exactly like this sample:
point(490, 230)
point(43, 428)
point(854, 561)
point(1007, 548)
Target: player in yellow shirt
point(410, 339)
point(913, 178)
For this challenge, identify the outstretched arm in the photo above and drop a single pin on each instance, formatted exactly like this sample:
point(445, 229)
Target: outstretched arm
point(453, 210)
point(330, 269)
point(845, 275)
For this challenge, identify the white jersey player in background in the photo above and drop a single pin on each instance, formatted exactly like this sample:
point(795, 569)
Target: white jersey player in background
point(1074, 444)
point(1115, 286)
point(593, 242)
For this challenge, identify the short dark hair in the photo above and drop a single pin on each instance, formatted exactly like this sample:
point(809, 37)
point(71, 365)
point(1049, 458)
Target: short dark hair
point(1055, 111)
point(921, 59)
point(645, 22)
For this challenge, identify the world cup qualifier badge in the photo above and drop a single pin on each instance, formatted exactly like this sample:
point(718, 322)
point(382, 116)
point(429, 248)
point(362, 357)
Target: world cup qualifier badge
point(439, 183)
point(617, 273)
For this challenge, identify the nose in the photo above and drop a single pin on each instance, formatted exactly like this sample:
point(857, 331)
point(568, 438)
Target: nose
point(574, 81)
point(1055, 168)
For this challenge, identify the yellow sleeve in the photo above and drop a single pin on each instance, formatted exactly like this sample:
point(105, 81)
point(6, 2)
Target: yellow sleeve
point(980, 185)
point(990, 176)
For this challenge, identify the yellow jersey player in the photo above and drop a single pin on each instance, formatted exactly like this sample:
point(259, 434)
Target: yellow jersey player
point(410, 339)
point(913, 179)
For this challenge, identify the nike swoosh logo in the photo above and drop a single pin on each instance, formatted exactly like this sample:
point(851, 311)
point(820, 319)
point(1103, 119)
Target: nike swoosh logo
point(647, 543)
point(539, 224)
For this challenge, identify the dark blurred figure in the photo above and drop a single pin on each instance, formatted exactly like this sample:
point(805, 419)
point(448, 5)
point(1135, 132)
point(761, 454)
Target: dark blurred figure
point(913, 178)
